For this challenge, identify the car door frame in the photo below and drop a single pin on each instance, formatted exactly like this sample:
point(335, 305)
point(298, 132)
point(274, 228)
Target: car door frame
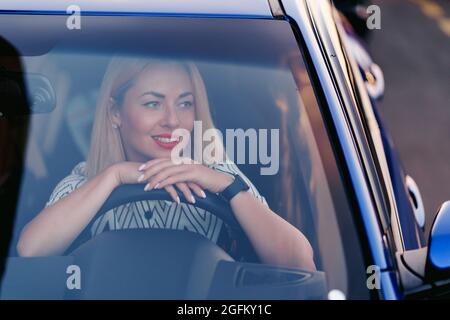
point(360, 141)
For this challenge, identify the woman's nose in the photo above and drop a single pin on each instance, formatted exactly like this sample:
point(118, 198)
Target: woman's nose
point(171, 119)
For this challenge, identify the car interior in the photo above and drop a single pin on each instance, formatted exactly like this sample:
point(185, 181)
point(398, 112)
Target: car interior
point(242, 94)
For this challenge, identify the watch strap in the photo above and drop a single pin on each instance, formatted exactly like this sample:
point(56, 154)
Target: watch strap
point(234, 188)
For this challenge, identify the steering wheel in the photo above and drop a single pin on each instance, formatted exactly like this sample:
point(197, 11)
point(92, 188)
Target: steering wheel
point(142, 261)
point(212, 203)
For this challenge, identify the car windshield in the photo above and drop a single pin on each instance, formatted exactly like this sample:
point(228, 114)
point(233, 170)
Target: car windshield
point(238, 90)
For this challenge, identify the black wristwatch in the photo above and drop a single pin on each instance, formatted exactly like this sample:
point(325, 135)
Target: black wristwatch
point(234, 188)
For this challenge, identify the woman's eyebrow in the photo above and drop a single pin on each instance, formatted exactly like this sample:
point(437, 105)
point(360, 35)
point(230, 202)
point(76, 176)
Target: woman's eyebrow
point(162, 96)
point(156, 94)
point(185, 95)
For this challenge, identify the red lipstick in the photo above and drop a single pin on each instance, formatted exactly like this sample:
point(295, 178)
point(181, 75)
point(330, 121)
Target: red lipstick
point(166, 141)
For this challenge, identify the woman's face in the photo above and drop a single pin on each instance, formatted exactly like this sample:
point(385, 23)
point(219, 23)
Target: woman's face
point(160, 101)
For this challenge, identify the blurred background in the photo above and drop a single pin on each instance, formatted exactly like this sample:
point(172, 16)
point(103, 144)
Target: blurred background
point(413, 50)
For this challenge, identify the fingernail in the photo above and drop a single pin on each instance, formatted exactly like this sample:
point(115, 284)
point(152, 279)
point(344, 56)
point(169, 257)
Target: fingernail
point(141, 177)
point(192, 199)
point(147, 187)
point(178, 200)
point(142, 167)
point(156, 186)
point(203, 194)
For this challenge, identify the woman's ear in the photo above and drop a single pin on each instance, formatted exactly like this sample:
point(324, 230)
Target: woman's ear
point(114, 114)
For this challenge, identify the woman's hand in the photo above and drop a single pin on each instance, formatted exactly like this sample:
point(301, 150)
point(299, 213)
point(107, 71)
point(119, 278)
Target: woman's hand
point(160, 173)
point(128, 173)
point(125, 172)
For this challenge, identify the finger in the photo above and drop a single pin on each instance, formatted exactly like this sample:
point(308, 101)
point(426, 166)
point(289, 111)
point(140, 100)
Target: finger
point(197, 189)
point(181, 177)
point(173, 193)
point(154, 182)
point(186, 160)
point(154, 169)
point(183, 187)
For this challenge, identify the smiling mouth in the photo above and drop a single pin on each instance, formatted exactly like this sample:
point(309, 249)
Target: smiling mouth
point(166, 141)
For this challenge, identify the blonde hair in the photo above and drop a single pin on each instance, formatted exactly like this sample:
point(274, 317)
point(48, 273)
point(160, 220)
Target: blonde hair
point(106, 143)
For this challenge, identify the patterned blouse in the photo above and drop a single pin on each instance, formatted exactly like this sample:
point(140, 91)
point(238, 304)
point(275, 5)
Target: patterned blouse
point(150, 214)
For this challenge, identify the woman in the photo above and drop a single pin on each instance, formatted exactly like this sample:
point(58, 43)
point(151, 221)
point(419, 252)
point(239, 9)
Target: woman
point(141, 103)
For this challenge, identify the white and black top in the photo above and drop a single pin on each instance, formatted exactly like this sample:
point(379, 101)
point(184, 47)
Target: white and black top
point(150, 214)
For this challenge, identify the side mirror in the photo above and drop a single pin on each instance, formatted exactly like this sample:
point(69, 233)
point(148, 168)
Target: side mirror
point(426, 271)
point(438, 256)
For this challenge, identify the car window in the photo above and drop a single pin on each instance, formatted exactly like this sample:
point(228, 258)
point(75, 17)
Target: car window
point(264, 115)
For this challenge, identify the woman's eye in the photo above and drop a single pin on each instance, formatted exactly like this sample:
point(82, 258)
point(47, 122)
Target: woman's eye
point(186, 104)
point(152, 104)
